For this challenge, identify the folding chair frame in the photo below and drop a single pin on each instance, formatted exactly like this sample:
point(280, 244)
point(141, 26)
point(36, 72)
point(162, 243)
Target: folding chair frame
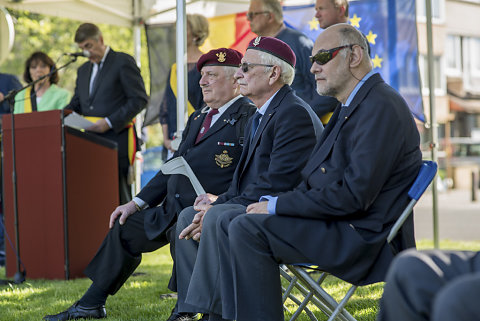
point(312, 290)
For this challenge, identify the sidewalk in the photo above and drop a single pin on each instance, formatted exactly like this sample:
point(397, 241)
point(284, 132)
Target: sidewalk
point(458, 216)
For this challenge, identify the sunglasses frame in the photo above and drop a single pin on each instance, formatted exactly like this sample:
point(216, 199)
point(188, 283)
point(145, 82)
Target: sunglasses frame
point(244, 66)
point(251, 15)
point(331, 53)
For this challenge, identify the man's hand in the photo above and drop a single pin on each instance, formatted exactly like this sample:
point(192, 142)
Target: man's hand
point(204, 199)
point(258, 208)
point(2, 97)
point(194, 230)
point(168, 144)
point(124, 211)
point(100, 126)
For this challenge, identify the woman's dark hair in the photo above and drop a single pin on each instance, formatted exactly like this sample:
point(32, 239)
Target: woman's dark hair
point(43, 57)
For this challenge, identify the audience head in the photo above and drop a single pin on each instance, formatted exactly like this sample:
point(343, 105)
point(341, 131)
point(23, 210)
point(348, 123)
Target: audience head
point(268, 64)
point(89, 37)
point(340, 60)
point(217, 68)
point(38, 65)
point(330, 12)
point(197, 29)
point(265, 16)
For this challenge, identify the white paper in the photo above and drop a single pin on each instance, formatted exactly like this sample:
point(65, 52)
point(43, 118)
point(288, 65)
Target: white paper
point(76, 121)
point(179, 165)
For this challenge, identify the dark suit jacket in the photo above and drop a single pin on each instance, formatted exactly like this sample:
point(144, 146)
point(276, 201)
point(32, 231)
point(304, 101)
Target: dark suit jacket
point(212, 161)
point(119, 94)
point(358, 177)
point(272, 162)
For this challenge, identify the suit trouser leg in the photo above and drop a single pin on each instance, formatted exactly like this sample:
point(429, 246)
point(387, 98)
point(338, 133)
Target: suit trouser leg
point(121, 253)
point(458, 300)
point(416, 278)
point(257, 247)
point(124, 189)
point(204, 288)
point(185, 255)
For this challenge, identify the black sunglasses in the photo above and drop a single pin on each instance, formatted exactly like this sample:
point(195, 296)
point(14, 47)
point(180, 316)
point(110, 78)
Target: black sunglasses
point(323, 56)
point(246, 65)
point(251, 15)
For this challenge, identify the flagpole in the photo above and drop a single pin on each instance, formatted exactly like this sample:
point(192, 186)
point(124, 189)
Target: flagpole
point(181, 58)
point(433, 118)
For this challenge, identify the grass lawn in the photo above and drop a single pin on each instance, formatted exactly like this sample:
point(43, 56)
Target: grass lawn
point(140, 298)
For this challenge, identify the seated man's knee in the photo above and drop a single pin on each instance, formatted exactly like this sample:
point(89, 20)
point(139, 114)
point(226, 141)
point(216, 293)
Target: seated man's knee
point(457, 299)
point(185, 218)
point(404, 269)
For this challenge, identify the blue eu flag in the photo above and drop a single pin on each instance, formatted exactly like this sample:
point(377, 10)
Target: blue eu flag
point(391, 30)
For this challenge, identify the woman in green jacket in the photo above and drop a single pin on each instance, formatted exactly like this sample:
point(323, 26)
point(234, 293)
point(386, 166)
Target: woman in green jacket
point(45, 94)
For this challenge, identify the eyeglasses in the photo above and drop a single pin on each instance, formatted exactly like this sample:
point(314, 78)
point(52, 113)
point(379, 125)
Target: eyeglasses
point(323, 56)
point(251, 15)
point(246, 65)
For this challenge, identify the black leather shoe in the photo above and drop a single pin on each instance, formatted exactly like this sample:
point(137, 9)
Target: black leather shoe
point(78, 312)
point(182, 316)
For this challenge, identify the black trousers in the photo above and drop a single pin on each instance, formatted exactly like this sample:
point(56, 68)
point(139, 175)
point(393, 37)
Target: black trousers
point(121, 252)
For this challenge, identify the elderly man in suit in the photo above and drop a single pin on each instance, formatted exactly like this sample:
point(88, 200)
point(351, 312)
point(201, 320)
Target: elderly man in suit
point(353, 188)
point(211, 144)
point(266, 19)
point(279, 140)
point(110, 89)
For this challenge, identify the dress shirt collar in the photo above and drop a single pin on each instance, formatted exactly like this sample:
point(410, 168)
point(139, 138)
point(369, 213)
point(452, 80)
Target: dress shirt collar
point(357, 88)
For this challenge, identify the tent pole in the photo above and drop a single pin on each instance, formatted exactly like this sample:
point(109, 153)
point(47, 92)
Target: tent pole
point(433, 117)
point(181, 58)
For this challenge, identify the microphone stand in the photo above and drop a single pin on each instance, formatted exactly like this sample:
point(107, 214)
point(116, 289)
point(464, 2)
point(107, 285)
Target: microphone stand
point(10, 97)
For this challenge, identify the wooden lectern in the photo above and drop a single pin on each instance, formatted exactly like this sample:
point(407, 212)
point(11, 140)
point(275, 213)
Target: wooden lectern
point(67, 186)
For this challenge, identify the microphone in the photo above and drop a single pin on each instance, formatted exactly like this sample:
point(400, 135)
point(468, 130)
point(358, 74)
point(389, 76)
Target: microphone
point(84, 53)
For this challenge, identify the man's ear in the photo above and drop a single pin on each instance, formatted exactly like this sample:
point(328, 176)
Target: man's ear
point(356, 56)
point(274, 75)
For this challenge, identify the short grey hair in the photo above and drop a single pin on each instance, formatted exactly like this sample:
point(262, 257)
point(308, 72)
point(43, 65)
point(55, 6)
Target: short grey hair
point(288, 72)
point(352, 36)
point(275, 7)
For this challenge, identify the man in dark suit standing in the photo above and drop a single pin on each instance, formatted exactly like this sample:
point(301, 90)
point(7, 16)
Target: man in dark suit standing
point(211, 144)
point(110, 90)
point(353, 189)
point(279, 140)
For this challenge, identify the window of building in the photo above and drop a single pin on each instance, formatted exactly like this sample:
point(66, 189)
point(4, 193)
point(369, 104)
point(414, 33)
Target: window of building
point(453, 55)
point(471, 63)
point(438, 75)
point(438, 9)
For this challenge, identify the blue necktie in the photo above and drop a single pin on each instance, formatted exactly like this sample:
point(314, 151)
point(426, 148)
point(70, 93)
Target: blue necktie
point(255, 123)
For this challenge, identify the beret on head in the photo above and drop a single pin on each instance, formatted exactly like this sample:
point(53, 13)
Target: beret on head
point(220, 57)
point(275, 47)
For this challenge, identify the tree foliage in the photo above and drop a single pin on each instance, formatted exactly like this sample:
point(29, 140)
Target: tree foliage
point(54, 36)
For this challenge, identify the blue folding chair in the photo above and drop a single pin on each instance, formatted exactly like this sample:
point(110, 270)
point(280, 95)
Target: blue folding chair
point(311, 289)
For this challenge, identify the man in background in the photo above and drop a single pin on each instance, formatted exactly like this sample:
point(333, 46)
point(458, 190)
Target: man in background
point(266, 19)
point(110, 91)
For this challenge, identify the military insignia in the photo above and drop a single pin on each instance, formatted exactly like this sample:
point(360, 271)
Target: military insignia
point(221, 56)
point(256, 42)
point(223, 160)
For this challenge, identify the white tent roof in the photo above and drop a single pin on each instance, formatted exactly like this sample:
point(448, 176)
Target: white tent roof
point(130, 12)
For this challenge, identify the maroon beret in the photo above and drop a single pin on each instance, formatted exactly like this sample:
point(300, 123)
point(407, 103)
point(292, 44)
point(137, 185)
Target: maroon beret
point(275, 47)
point(220, 57)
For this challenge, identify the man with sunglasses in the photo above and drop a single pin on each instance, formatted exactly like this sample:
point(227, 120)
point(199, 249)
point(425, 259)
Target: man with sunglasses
point(354, 187)
point(280, 137)
point(266, 19)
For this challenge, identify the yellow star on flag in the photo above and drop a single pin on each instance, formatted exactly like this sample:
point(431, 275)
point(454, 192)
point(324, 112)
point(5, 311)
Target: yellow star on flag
point(355, 21)
point(377, 62)
point(313, 24)
point(371, 37)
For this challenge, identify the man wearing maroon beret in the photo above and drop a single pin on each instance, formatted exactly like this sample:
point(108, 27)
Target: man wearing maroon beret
point(279, 139)
point(212, 143)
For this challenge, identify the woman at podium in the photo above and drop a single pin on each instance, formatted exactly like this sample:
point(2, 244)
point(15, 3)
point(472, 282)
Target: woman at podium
point(45, 94)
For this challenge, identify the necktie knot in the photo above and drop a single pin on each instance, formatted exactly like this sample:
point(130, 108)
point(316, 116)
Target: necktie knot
point(206, 124)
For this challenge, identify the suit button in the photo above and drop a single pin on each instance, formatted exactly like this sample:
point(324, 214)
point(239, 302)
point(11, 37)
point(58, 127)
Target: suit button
point(177, 195)
point(323, 170)
point(91, 107)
